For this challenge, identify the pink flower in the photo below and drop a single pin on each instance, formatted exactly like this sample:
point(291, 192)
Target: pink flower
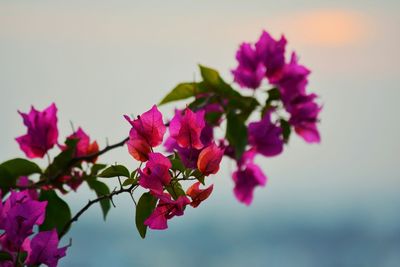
point(156, 173)
point(186, 129)
point(209, 159)
point(165, 210)
point(250, 70)
point(198, 195)
point(272, 54)
point(19, 215)
point(84, 147)
point(147, 131)
point(42, 131)
point(265, 137)
point(304, 117)
point(293, 81)
point(44, 249)
point(246, 180)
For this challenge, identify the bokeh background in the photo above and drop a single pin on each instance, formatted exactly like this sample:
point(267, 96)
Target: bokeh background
point(334, 204)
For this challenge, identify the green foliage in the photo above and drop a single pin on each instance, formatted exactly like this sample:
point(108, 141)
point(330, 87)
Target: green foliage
point(176, 162)
point(58, 213)
point(96, 168)
point(5, 256)
point(286, 130)
point(63, 161)
point(273, 96)
point(236, 133)
point(129, 181)
point(175, 189)
point(181, 91)
point(101, 189)
point(144, 208)
point(199, 176)
point(12, 169)
point(114, 171)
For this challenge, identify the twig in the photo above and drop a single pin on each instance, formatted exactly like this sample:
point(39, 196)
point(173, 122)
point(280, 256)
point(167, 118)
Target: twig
point(91, 202)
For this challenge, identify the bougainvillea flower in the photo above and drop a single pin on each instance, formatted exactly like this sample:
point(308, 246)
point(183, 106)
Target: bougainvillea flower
point(250, 70)
point(42, 131)
point(149, 126)
point(73, 180)
point(138, 148)
point(209, 159)
point(165, 210)
point(156, 173)
point(186, 129)
point(24, 181)
point(19, 214)
point(44, 249)
point(304, 117)
point(84, 147)
point(293, 81)
point(265, 137)
point(246, 181)
point(272, 54)
point(198, 195)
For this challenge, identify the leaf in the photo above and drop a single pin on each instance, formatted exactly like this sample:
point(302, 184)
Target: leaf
point(144, 208)
point(210, 76)
point(133, 174)
point(236, 133)
point(12, 169)
point(129, 181)
point(5, 256)
point(181, 91)
point(176, 163)
point(96, 168)
point(63, 160)
point(286, 130)
point(199, 176)
point(58, 213)
point(101, 189)
point(115, 170)
point(175, 190)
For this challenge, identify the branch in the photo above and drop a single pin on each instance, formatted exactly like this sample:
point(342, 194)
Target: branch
point(91, 202)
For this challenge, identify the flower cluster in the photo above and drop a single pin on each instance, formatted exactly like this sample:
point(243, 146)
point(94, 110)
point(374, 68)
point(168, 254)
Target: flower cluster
point(192, 141)
point(18, 216)
point(175, 156)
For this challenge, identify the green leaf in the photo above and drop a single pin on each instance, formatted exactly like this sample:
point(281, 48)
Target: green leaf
point(133, 174)
point(129, 181)
point(12, 169)
point(181, 91)
point(210, 76)
point(236, 133)
point(199, 176)
point(144, 208)
point(175, 190)
point(115, 170)
point(63, 160)
point(58, 213)
point(101, 189)
point(286, 130)
point(5, 256)
point(96, 168)
point(176, 163)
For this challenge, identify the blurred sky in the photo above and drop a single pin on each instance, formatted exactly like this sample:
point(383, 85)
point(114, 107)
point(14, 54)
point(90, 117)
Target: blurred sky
point(334, 204)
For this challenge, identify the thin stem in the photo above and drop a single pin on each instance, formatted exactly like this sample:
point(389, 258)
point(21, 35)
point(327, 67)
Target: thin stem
point(91, 202)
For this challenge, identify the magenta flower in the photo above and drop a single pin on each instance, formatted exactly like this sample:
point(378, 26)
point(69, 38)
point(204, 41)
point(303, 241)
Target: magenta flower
point(42, 131)
point(84, 147)
point(209, 159)
point(250, 71)
point(19, 215)
point(156, 173)
point(165, 210)
point(186, 129)
point(304, 117)
point(272, 54)
point(44, 249)
point(293, 81)
point(147, 131)
point(198, 195)
point(265, 137)
point(246, 181)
